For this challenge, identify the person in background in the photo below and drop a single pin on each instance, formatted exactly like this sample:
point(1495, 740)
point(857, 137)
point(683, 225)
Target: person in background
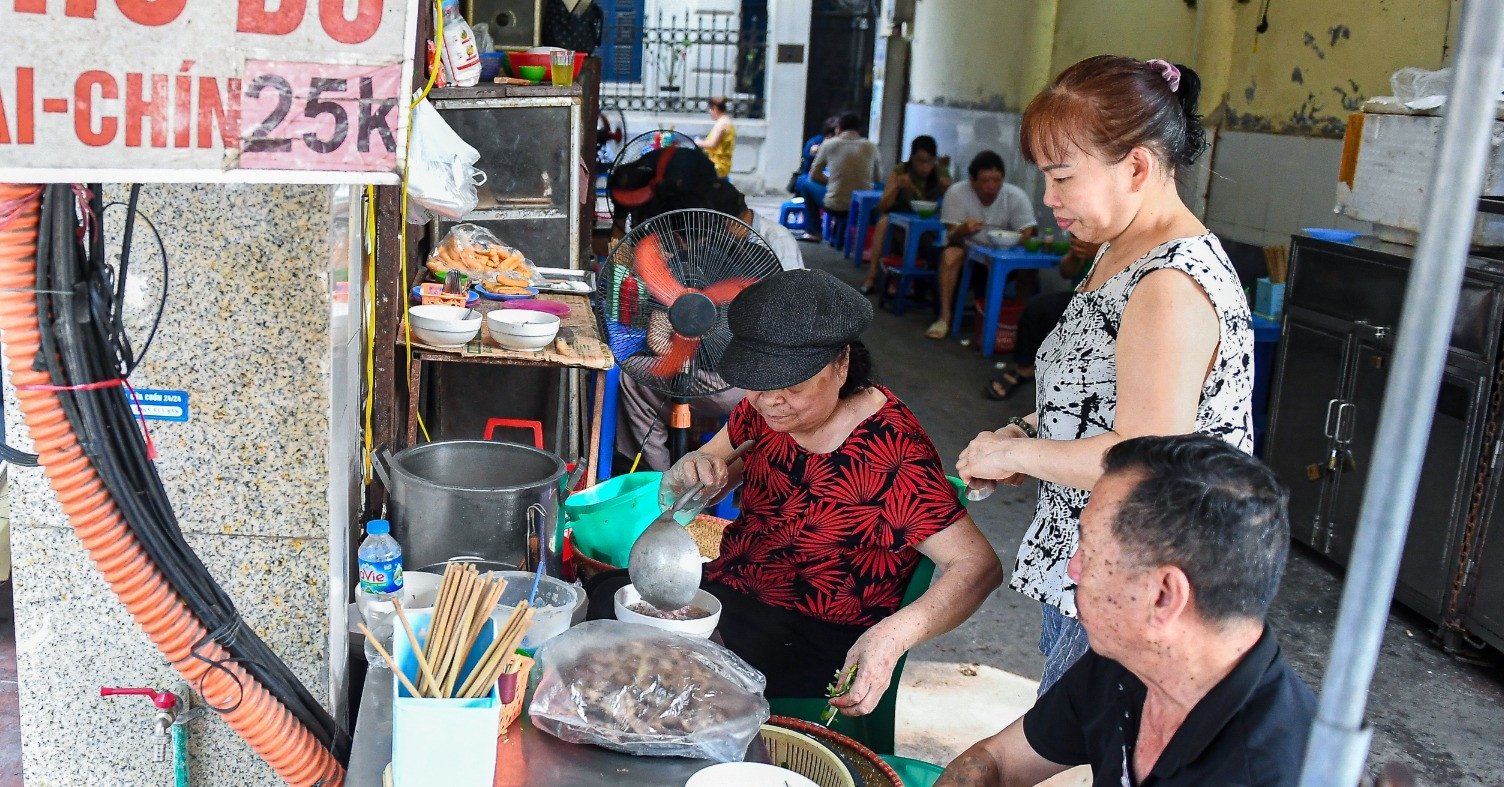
point(720, 143)
point(811, 192)
point(983, 202)
point(1158, 339)
point(1040, 316)
point(922, 177)
point(1181, 552)
point(687, 180)
point(847, 162)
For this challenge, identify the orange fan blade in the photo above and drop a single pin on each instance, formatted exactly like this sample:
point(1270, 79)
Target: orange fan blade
point(723, 292)
point(648, 263)
point(680, 351)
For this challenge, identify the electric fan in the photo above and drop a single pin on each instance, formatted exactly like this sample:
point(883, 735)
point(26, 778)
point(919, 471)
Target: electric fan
point(664, 289)
point(641, 145)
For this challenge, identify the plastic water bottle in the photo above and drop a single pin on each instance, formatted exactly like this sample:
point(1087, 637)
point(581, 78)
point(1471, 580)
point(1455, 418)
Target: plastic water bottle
point(380, 559)
point(461, 56)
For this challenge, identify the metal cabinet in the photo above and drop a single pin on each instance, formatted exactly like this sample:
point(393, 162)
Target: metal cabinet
point(1342, 302)
point(530, 151)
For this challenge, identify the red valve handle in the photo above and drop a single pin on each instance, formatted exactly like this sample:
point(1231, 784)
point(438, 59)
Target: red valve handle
point(164, 700)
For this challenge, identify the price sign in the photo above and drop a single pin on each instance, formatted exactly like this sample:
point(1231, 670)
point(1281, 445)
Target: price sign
point(280, 91)
point(319, 116)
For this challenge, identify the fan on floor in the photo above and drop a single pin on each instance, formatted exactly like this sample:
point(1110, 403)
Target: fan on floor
point(668, 283)
point(624, 182)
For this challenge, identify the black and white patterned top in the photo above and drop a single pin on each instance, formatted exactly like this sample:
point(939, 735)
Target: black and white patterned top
point(1076, 373)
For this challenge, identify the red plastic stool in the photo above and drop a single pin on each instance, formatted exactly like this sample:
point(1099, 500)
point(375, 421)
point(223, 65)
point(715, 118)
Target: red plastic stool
point(516, 423)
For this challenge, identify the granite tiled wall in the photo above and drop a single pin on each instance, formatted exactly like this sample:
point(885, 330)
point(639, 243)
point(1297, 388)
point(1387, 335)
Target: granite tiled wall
point(246, 333)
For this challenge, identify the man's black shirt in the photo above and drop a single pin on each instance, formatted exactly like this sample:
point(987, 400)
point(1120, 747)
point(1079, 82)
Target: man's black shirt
point(1250, 729)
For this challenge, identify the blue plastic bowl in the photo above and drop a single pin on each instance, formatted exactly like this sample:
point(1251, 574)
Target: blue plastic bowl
point(490, 64)
point(1324, 233)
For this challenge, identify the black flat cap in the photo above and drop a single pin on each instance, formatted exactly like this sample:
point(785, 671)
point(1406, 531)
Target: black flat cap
point(787, 327)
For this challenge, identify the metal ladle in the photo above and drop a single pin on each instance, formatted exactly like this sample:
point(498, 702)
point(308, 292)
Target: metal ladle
point(665, 563)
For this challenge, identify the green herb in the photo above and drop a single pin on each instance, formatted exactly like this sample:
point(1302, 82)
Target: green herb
point(840, 688)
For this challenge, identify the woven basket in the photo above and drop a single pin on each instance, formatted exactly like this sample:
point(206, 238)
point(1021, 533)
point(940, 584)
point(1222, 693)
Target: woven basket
point(805, 756)
point(866, 767)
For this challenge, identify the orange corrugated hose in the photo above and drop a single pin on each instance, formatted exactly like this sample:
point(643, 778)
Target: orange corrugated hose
point(271, 730)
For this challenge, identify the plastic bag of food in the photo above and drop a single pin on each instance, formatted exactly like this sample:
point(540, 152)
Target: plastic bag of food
point(642, 690)
point(479, 254)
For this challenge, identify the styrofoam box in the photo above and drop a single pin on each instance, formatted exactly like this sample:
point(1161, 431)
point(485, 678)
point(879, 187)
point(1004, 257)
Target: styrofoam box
point(1395, 162)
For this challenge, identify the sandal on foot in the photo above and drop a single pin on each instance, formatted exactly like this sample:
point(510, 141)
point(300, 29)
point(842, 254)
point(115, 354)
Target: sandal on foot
point(1004, 386)
point(937, 330)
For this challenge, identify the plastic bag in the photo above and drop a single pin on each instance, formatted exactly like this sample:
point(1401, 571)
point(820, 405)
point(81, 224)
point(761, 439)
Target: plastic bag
point(642, 690)
point(1419, 88)
point(441, 173)
point(479, 254)
point(483, 41)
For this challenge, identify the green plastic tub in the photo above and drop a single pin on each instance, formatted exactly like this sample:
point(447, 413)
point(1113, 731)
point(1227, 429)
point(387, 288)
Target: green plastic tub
point(607, 518)
point(914, 773)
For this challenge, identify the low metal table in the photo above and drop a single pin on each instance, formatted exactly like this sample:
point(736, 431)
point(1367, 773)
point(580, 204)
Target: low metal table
point(545, 761)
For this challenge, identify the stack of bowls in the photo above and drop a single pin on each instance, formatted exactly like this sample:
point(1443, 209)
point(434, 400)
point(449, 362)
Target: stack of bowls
point(444, 326)
point(522, 329)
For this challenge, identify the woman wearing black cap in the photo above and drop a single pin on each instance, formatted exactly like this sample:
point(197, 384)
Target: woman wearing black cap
point(841, 494)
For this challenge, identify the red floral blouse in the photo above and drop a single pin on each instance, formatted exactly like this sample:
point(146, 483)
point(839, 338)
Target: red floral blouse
point(832, 536)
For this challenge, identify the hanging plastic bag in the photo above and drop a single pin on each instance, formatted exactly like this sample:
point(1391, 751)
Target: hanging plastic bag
point(441, 172)
point(641, 690)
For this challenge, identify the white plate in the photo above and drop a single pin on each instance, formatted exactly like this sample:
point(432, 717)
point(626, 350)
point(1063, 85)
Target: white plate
point(747, 774)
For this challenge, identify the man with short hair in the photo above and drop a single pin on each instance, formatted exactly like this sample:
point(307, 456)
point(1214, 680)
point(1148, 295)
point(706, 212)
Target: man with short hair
point(1181, 551)
point(971, 208)
point(845, 163)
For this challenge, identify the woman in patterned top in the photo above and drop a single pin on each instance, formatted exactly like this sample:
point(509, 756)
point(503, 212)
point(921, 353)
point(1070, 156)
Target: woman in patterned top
point(841, 494)
point(1157, 339)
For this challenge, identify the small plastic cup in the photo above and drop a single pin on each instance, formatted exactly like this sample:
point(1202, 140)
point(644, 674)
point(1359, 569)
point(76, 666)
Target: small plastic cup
point(563, 67)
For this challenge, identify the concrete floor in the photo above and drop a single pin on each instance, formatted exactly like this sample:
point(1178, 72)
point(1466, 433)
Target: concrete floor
point(1442, 717)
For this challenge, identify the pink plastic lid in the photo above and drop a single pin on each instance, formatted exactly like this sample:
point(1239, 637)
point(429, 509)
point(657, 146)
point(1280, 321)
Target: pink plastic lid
point(533, 304)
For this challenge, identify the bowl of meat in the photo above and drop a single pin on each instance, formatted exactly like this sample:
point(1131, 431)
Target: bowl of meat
point(698, 619)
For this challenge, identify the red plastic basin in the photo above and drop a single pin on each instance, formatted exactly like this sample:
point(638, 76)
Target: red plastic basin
point(519, 59)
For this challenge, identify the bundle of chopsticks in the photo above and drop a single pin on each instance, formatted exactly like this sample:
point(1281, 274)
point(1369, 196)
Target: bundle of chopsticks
point(466, 601)
point(1277, 258)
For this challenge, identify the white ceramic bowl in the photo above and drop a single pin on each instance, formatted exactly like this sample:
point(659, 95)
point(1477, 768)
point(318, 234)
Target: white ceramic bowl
point(1004, 238)
point(522, 329)
point(444, 326)
point(924, 208)
point(699, 627)
point(748, 774)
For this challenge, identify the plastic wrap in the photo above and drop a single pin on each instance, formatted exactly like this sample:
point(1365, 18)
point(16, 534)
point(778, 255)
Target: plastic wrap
point(479, 254)
point(645, 691)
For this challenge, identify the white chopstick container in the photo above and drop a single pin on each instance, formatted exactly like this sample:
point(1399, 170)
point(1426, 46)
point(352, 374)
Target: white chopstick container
point(442, 741)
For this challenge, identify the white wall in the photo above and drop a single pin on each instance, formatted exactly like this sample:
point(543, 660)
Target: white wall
point(1264, 187)
point(788, 23)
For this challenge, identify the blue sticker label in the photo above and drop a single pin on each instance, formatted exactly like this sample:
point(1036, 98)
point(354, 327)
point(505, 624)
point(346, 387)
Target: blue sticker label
point(159, 404)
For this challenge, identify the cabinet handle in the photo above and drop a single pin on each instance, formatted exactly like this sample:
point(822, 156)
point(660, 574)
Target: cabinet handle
point(1330, 430)
point(1346, 422)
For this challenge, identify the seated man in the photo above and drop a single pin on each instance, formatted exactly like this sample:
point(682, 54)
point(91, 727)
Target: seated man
point(971, 208)
point(1180, 555)
point(846, 162)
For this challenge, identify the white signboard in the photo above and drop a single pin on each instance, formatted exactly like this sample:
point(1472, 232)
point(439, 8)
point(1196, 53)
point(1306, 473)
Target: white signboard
point(263, 91)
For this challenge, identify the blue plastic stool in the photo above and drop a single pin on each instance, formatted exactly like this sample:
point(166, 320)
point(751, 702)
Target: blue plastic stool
point(792, 216)
point(834, 231)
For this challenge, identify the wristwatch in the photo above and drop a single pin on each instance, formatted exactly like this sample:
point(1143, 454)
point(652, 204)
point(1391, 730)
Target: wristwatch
point(1024, 425)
